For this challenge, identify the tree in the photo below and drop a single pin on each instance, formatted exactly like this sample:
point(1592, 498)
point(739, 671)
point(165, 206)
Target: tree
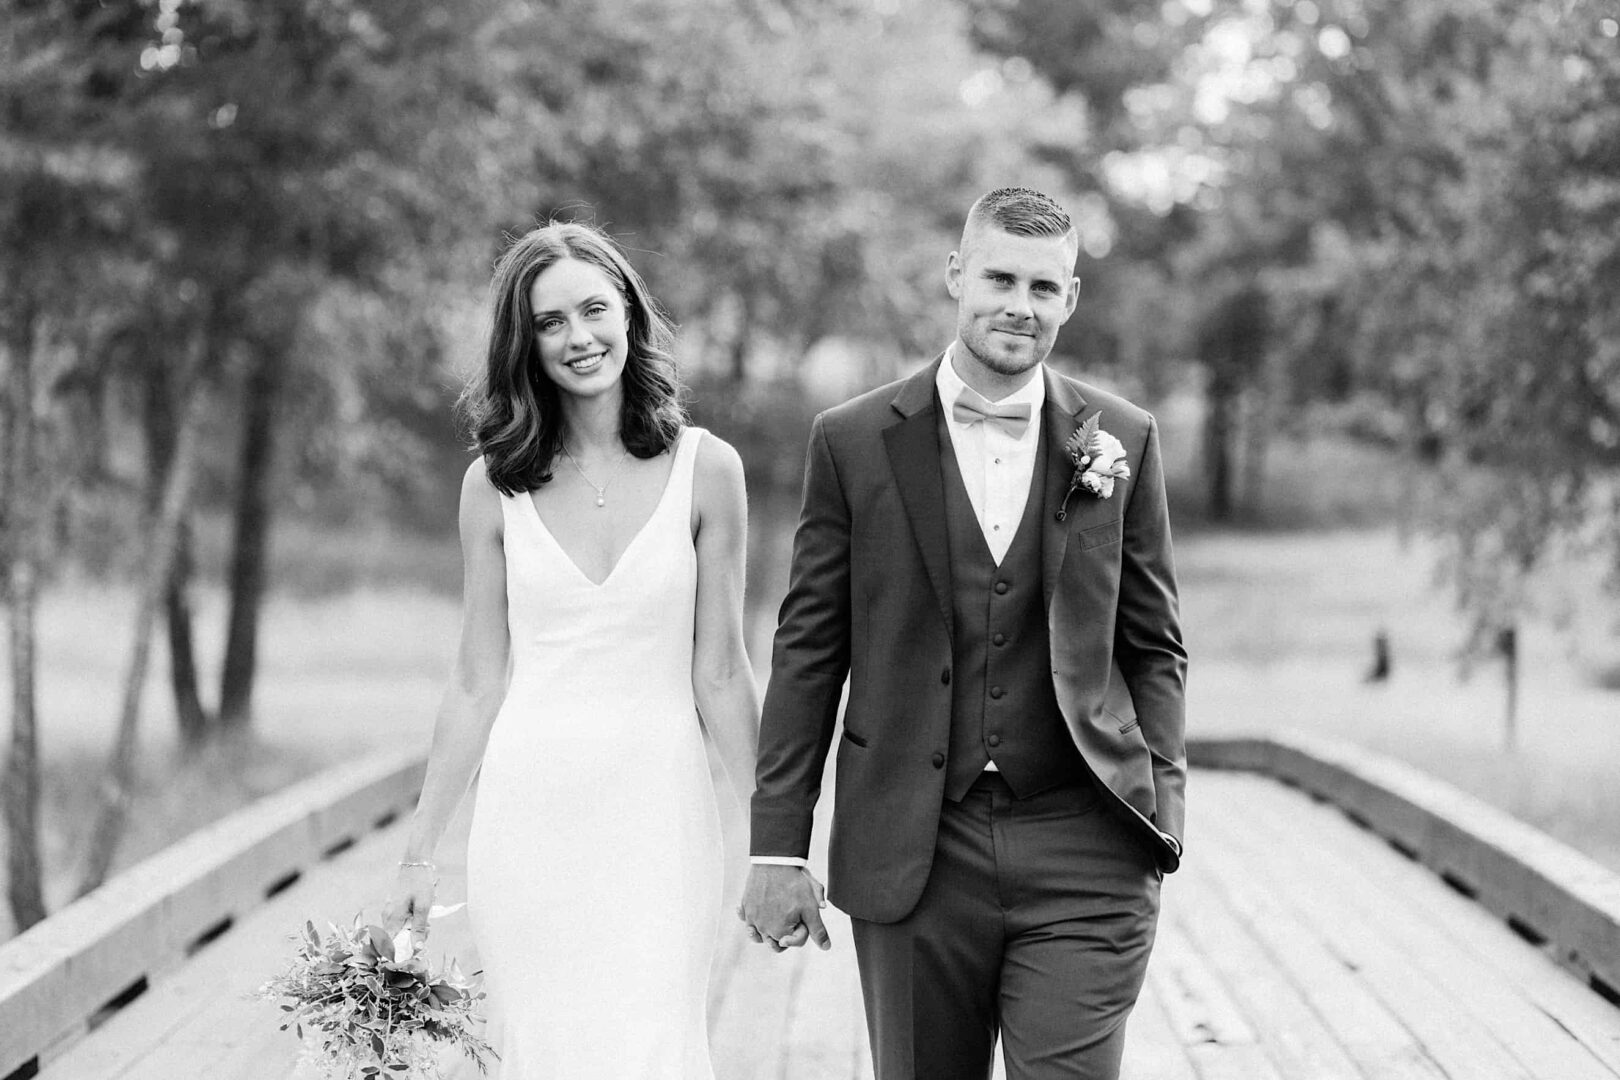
point(1232, 343)
point(286, 147)
point(179, 186)
point(62, 253)
point(1425, 193)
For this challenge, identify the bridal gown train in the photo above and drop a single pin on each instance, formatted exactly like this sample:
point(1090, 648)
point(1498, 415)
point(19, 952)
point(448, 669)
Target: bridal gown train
point(594, 861)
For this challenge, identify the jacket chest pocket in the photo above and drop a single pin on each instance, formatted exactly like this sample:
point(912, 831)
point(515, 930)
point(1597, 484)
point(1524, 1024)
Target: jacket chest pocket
point(1109, 532)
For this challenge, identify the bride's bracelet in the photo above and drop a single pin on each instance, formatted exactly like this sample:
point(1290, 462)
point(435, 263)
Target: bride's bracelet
point(417, 862)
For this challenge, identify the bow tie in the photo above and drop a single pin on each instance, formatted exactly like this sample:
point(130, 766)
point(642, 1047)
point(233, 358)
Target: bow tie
point(971, 408)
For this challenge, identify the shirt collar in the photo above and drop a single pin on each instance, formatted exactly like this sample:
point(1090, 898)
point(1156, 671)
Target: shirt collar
point(950, 386)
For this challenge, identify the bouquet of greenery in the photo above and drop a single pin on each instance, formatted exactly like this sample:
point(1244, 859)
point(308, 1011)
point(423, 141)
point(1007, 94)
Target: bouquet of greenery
point(367, 1005)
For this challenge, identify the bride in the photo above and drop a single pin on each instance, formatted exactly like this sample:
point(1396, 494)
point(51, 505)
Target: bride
point(604, 544)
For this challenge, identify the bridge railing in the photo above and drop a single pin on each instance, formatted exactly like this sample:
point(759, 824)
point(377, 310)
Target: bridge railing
point(1549, 893)
point(59, 978)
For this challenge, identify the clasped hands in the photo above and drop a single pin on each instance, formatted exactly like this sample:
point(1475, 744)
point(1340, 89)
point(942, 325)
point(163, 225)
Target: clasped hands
point(781, 906)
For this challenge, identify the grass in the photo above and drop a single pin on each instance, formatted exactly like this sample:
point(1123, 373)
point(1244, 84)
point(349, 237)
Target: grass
point(1280, 630)
point(339, 676)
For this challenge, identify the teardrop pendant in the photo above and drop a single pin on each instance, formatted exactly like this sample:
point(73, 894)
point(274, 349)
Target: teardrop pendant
point(601, 500)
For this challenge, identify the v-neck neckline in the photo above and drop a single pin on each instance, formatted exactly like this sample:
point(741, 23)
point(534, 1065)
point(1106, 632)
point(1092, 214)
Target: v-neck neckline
point(663, 497)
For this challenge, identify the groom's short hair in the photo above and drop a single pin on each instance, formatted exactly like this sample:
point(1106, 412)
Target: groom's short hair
point(1020, 211)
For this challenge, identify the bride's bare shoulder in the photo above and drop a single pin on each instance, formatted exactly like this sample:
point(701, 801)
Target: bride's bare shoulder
point(480, 499)
point(719, 491)
point(718, 467)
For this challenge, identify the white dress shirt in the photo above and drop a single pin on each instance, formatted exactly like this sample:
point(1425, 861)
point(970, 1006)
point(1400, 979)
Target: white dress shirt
point(996, 467)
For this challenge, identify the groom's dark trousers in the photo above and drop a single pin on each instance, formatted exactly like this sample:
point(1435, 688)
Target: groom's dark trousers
point(1023, 899)
point(1036, 921)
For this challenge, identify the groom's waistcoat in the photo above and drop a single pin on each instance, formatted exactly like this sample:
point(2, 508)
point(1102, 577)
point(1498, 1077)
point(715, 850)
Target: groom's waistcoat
point(1003, 708)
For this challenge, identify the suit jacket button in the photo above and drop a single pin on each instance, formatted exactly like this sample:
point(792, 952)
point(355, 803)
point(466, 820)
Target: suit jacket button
point(999, 639)
point(1001, 588)
point(995, 692)
point(945, 676)
point(939, 761)
point(994, 740)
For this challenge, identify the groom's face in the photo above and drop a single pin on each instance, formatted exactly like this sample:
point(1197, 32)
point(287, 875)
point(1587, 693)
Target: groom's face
point(1012, 294)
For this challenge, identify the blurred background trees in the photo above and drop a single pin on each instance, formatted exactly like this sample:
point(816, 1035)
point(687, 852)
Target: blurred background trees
point(245, 247)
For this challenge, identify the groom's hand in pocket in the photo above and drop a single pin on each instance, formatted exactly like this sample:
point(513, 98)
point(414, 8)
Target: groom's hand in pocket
point(781, 906)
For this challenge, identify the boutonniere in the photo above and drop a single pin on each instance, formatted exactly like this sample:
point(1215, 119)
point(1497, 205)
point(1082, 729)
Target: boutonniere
point(1099, 460)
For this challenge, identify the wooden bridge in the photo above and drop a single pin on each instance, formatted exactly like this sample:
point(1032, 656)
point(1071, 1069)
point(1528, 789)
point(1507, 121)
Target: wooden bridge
point(1338, 917)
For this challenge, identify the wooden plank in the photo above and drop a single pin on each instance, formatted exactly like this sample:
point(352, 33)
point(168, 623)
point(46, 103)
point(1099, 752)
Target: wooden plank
point(1298, 1041)
point(1196, 1001)
point(1152, 1051)
point(1515, 870)
point(1251, 969)
point(770, 1015)
point(1516, 992)
point(1458, 1041)
point(1203, 1017)
point(205, 1018)
point(140, 924)
point(1373, 1037)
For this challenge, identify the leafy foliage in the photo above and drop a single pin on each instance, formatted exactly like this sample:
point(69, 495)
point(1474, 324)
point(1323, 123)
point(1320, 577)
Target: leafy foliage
point(367, 1004)
point(1409, 204)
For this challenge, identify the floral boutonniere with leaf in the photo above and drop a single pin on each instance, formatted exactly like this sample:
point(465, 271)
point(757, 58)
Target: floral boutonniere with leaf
point(1099, 460)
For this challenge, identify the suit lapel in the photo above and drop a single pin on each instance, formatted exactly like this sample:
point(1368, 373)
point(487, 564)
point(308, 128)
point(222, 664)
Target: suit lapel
point(913, 446)
point(1059, 417)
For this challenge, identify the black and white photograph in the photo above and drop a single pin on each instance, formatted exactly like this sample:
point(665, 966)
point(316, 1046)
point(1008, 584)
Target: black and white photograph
point(810, 539)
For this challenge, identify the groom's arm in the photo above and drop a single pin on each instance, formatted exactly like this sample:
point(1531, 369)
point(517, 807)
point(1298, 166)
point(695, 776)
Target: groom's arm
point(809, 663)
point(1147, 642)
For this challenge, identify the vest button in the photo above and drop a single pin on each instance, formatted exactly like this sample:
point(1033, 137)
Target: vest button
point(994, 740)
point(945, 676)
point(1001, 588)
point(995, 692)
point(999, 639)
point(939, 760)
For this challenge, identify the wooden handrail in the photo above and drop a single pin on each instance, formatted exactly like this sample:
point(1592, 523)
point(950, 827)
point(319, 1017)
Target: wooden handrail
point(1548, 892)
point(104, 948)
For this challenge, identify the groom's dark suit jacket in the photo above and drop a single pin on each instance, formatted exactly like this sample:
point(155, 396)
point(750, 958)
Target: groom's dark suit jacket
point(870, 598)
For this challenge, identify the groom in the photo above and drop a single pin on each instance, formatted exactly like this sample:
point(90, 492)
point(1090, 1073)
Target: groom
point(984, 550)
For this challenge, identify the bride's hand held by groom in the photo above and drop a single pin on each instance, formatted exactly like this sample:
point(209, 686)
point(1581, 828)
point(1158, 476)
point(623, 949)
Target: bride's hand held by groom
point(781, 907)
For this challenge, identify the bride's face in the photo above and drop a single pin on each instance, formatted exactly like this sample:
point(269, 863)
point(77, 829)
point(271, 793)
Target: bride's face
point(581, 328)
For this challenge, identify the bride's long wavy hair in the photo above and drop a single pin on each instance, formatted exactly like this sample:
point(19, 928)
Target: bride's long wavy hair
point(510, 409)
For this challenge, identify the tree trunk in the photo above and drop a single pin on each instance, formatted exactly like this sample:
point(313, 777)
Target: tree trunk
point(1219, 403)
point(740, 341)
point(20, 791)
point(1507, 644)
point(25, 890)
point(160, 422)
point(189, 713)
point(1256, 443)
point(251, 541)
point(162, 546)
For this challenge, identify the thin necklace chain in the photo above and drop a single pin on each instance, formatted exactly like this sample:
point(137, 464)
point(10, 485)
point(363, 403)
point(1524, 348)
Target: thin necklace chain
point(600, 489)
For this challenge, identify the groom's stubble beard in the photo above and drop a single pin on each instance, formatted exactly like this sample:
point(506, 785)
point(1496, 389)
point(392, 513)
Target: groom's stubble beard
point(1010, 366)
point(1011, 369)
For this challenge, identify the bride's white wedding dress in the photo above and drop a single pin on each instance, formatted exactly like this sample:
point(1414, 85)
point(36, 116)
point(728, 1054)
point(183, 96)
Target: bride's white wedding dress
point(594, 860)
